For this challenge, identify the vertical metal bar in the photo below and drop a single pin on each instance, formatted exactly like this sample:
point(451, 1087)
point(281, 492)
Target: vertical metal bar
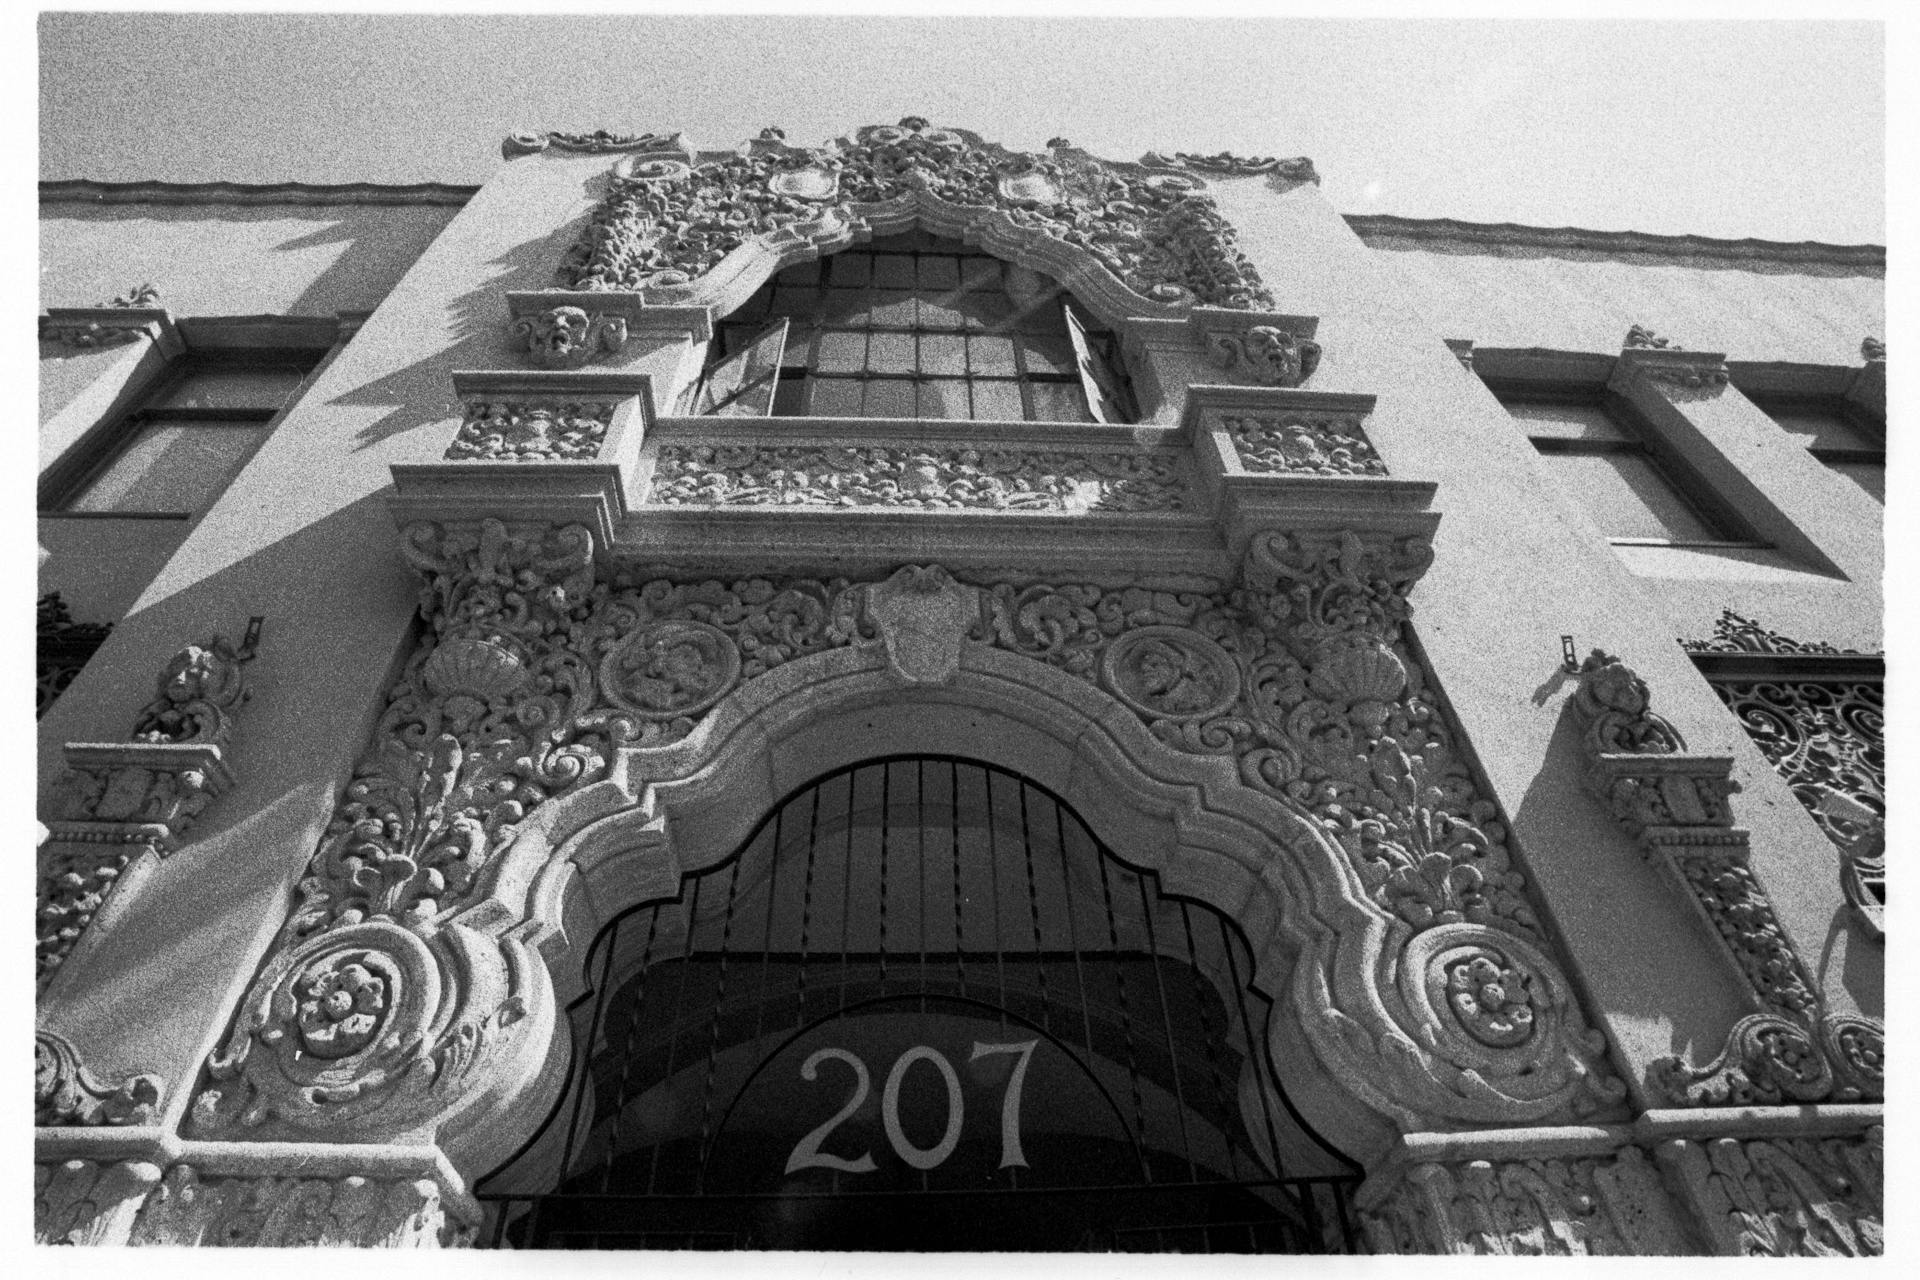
point(959, 893)
point(688, 913)
point(886, 834)
point(920, 863)
point(1316, 1234)
point(773, 901)
point(1073, 924)
point(1147, 903)
point(1033, 910)
point(1256, 1051)
point(627, 1054)
point(1126, 1016)
point(719, 1016)
point(993, 888)
point(1201, 991)
point(806, 905)
point(846, 896)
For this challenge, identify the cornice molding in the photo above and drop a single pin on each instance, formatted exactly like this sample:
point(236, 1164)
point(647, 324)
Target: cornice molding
point(84, 191)
point(1370, 226)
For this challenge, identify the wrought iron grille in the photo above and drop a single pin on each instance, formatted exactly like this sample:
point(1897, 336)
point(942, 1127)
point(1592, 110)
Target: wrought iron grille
point(1072, 1058)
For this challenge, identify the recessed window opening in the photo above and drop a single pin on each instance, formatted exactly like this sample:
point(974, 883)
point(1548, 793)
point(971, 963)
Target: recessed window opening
point(174, 454)
point(1614, 464)
point(924, 1008)
point(915, 326)
point(1843, 437)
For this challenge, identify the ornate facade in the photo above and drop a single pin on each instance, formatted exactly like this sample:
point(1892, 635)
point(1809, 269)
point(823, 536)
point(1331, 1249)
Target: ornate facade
point(1213, 525)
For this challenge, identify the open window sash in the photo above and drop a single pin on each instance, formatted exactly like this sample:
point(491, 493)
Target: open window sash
point(742, 385)
point(1106, 395)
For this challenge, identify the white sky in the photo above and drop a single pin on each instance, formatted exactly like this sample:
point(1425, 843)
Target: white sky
point(1729, 128)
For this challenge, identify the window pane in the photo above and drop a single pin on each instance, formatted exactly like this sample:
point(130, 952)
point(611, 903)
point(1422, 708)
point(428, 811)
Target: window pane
point(893, 308)
point(850, 270)
point(799, 350)
point(800, 273)
point(938, 271)
point(1059, 402)
point(178, 467)
point(844, 306)
point(943, 353)
point(890, 353)
point(890, 398)
point(1628, 496)
point(1047, 353)
point(232, 389)
point(834, 398)
point(940, 311)
point(1825, 430)
point(997, 401)
point(1565, 421)
point(842, 352)
point(789, 396)
point(892, 271)
point(981, 271)
point(793, 300)
point(984, 309)
point(990, 355)
point(943, 398)
point(1871, 476)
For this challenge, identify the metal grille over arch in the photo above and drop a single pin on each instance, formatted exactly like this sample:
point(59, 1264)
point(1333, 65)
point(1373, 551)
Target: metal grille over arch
point(924, 1007)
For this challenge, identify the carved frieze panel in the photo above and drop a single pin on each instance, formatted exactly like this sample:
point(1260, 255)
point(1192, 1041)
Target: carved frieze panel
point(1796, 1197)
point(1289, 169)
point(87, 1202)
point(928, 478)
point(1304, 442)
point(532, 430)
point(189, 1208)
point(670, 217)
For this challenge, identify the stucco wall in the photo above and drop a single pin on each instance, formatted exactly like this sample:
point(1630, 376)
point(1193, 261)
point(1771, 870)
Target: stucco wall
point(233, 259)
point(1583, 299)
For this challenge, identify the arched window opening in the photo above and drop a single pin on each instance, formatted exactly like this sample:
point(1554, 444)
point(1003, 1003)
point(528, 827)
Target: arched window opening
point(924, 1008)
point(914, 326)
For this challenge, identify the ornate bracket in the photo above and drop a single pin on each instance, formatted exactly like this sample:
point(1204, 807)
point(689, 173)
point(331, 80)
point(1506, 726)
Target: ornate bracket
point(561, 330)
point(1265, 354)
point(1675, 805)
point(120, 803)
point(103, 326)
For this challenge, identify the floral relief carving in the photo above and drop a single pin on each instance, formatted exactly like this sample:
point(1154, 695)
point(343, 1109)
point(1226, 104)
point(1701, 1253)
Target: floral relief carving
point(1171, 673)
point(188, 1209)
point(1733, 633)
point(593, 143)
point(1291, 169)
point(502, 431)
point(1264, 354)
point(671, 220)
point(1797, 1197)
point(66, 1093)
point(86, 1202)
point(567, 337)
point(925, 478)
point(1675, 804)
point(1313, 443)
point(668, 670)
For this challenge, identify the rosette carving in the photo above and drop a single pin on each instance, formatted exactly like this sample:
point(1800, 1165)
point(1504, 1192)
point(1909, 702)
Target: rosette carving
point(669, 221)
point(669, 670)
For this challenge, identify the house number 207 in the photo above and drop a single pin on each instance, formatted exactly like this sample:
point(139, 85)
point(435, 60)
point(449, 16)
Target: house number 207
point(808, 1155)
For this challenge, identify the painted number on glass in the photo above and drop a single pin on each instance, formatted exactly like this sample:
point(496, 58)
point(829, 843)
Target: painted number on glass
point(808, 1155)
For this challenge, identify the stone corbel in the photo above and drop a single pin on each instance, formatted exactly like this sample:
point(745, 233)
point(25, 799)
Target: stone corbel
point(1674, 804)
point(1868, 388)
point(1688, 374)
point(124, 805)
point(565, 330)
point(97, 327)
point(1267, 350)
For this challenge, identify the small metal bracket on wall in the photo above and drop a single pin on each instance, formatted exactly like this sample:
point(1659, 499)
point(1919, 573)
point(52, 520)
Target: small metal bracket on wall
point(1569, 663)
point(250, 642)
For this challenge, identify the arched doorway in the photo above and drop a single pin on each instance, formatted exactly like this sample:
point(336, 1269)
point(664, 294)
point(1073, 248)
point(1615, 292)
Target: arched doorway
point(923, 1007)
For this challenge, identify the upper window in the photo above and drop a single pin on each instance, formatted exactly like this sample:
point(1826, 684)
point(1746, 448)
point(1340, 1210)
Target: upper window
point(174, 454)
point(1840, 436)
point(913, 326)
point(1612, 465)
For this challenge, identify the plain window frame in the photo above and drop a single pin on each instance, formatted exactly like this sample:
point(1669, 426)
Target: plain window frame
point(1641, 439)
point(1854, 417)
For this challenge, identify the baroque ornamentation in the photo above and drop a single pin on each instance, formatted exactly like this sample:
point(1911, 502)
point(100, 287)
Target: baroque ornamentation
point(567, 337)
point(1303, 441)
point(187, 1208)
point(83, 1202)
point(1552, 1206)
point(1676, 806)
point(1873, 350)
point(201, 688)
point(596, 142)
point(928, 478)
point(61, 648)
point(144, 295)
point(1290, 169)
point(1784, 1197)
point(670, 670)
point(1171, 673)
point(1270, 356)
point(503, 431)
point(1641, 338)
point(1690, 376)
point(66, 1093)
point(1733, 633)
point(670, 221)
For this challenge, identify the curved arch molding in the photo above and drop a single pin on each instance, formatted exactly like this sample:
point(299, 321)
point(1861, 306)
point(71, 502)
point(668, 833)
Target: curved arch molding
point(689, 227)
point(564, 746)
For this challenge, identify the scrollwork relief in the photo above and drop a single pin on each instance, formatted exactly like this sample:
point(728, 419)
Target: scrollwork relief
point(1798, 1197)
point(188, 1208)
point(924, 478)
point(511, 431)
point(1289, 169)
point(672, 220)
point(1264, 354)
point(66, 1093)
point(1309, 443)
point(568, 337)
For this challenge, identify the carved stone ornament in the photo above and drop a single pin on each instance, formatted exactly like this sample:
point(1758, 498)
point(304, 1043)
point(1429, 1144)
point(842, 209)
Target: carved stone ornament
point(120, 805)
point(673, 217)
point(596, 142)
point(1733, 633)
point(144, 295)
point(1691, 376)
point(1675, 805)
point(567, 337)
point(1264, 354)
point(1641, 338)
point(1305, 442)
point(1873, 350)
point(66, 1093)
point(84, 1202)
point(1291, 169)
point(188, 1208)
point(1784, 1197)
point(93, 330)
point(520, 431)
point(925, 478)
point(401, 989)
